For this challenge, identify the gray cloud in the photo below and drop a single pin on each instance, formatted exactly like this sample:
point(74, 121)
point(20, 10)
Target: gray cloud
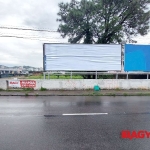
point(21, 52)
point(40, 14)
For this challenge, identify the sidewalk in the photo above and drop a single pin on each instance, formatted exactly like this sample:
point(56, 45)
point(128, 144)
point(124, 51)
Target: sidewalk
point(77, 93)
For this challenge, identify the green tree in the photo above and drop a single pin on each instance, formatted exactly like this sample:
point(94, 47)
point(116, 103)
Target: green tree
point(103, 21)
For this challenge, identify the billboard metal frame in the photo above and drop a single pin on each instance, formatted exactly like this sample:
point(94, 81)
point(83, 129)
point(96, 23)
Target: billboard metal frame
point(96, 73)
point(44, 67)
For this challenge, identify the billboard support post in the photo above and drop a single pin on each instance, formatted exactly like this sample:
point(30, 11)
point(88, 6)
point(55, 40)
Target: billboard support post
point(116, 76)
point(127, 76)
point(44, 75)
point(71, 74)
point(96, 75)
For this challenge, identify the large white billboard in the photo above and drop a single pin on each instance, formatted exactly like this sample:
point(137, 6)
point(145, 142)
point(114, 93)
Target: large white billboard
point(81, 57)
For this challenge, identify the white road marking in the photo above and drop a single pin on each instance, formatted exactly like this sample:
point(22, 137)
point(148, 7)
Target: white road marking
point(84, 114)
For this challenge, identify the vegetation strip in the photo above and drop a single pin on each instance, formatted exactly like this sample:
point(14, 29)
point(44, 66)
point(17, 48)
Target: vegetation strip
point(75, 93)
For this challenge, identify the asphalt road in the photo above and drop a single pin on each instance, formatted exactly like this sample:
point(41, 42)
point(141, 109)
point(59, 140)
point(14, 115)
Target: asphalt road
point(72, 123)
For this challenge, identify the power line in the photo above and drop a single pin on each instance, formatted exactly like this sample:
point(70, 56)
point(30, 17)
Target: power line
point(21, 37)
point(29, 36)
point(17, 28)
point(18, 37)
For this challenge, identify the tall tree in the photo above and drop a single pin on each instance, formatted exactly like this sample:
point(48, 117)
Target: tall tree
point(103, 21)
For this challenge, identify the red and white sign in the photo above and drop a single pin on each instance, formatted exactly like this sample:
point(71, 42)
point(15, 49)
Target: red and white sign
point(14, 84)
point(28, 83)
point(22, 83)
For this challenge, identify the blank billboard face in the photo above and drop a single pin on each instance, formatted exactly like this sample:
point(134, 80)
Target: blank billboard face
point(82, 57)
point(137, 57)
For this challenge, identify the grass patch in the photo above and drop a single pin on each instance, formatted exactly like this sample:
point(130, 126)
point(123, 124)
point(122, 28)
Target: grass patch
point(106, 77)
point(61, 76)
point(65, 77)
point(146, 94)
point(55, 77)
point(125, 94)
point(28, 89)
point(1, 89)
point(43, 89)
point(117, 89)
point(34, 77)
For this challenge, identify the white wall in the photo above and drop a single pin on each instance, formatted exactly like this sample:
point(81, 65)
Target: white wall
point(75, 84)
point(3, 84)
point(89, 84)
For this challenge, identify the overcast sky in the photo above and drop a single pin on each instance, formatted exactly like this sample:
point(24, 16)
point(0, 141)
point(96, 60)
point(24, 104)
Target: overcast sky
point(36, 14)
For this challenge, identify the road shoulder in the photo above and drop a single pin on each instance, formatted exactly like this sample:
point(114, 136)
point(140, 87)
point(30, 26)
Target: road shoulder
point(76, 93)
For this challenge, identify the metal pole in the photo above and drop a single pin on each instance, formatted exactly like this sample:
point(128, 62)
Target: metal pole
point(44, 75)
point(96, 75)
point(147, 76)
point(71, 74)
point(116, 76)
point(127, 76)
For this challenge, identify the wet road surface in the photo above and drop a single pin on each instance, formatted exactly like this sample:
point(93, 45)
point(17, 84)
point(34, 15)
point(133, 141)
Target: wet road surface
point(72, 123)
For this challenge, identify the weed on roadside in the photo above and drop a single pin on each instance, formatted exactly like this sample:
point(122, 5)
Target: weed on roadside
point(28, 89)
point(43, 89)
point(36, 94)
point(26, 94)
point(1, 89)
point(117, 89)
point(125, 94)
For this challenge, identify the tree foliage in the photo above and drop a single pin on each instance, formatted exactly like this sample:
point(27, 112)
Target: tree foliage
point(103, 21)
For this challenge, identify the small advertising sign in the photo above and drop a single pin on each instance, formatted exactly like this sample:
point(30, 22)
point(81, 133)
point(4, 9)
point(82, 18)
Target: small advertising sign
point(14, 84)
point(27, 83)
point(21, 84)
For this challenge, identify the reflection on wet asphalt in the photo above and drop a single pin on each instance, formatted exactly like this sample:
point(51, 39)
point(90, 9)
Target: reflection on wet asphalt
point(37, 123)
point(59, 105)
